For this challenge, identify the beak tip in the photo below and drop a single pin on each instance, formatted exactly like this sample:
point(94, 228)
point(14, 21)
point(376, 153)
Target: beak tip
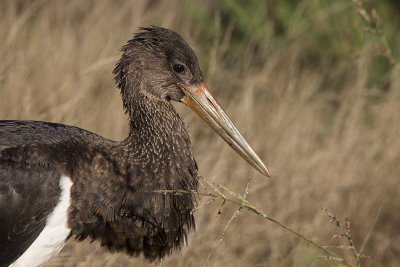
point(263, 169)
point(267, 173)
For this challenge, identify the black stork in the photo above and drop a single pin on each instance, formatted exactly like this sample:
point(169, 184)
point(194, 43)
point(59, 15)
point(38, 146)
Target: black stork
point(58, 181)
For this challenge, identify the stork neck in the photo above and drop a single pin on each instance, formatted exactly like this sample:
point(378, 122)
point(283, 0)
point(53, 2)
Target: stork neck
point(157, 130)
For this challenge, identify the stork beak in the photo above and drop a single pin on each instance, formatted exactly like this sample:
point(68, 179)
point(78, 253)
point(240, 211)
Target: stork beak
point(201, 101)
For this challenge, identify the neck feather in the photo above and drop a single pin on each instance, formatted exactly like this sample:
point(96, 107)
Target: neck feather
point(159, 142)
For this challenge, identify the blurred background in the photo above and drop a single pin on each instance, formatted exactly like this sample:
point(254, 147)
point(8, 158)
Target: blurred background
point(310, 85)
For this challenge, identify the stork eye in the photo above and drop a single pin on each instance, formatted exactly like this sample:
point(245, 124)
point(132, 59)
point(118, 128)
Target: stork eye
point(178, 68)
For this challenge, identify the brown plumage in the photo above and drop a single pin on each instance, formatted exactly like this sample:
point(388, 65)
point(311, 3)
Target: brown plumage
point(114, 196)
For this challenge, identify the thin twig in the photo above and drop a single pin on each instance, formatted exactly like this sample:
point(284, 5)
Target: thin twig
point(239, 200)
point(242, 202)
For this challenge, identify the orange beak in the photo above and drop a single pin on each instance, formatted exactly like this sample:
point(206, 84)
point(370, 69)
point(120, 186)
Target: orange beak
point(201, 101)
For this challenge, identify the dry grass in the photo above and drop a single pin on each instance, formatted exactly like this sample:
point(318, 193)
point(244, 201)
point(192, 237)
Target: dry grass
point(340, 150)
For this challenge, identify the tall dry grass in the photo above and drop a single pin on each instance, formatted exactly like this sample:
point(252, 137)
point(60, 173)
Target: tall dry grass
point(336, 148)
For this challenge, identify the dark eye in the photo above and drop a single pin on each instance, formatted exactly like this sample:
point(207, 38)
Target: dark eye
point(178, 68)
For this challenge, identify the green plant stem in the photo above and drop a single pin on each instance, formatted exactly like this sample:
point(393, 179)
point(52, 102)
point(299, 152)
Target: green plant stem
point(375, 28)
